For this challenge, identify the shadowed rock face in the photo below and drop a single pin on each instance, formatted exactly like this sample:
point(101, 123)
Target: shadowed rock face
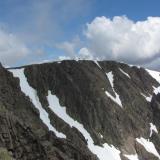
point(80, 87)
point(23, 133)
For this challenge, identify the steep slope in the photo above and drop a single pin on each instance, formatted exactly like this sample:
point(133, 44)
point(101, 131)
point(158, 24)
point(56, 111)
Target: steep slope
point(22, 132)
point(80, 110)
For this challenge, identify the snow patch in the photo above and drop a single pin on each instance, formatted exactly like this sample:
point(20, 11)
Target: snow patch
point(149, 146)
point(132, 65)
point(110, 77)
point(156, 90)
point(153, 128)
point(117, 98)
point(101, 135)
point(106, 152)
point(96, 62)
point(132, 157)
point(32, 94)
point(125, 73)
point(147, 98)
point(156, 76)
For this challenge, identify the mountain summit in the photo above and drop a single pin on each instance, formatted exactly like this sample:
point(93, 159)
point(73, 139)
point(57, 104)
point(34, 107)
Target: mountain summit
point(79, 110)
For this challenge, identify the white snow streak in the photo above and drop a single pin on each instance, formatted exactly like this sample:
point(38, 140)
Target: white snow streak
point(132, 157)
point(125, 73)
point(96, 62)
point(117, 98)
point(156, 76)
point(32, 94)
point(103, 153)
point(110, 77)
point(148, 99)
point(149, 146)
point(153, 128)
point(101, 135)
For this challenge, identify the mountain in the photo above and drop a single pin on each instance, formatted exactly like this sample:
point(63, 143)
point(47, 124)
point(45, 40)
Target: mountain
point(79, 110)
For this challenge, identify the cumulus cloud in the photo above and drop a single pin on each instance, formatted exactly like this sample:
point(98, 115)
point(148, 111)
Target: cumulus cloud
point(123, 39)
point(84, 53)
point(11, 48)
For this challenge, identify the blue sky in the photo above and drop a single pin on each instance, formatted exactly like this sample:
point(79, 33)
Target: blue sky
point(135, 10)
point(45, 27)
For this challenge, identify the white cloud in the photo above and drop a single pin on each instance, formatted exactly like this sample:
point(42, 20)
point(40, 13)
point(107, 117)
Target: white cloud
point(70, 48)
point(67, 47)
point(123, 39)
point(84, 53)
point(11, 48)
point(61, 58)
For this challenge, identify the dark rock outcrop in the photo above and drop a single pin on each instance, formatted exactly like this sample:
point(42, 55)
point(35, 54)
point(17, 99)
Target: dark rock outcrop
point(22, 132)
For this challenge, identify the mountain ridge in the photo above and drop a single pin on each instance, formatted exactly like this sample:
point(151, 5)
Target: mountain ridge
point(88, 92)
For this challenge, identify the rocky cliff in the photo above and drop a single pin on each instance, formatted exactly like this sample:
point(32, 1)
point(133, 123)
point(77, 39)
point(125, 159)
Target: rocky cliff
point(79, 110)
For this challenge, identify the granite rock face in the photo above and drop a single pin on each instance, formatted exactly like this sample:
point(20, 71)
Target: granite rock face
point(81, 87)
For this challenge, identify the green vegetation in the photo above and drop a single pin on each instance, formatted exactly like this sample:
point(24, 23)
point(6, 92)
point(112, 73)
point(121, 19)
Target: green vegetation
point(4, 154)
